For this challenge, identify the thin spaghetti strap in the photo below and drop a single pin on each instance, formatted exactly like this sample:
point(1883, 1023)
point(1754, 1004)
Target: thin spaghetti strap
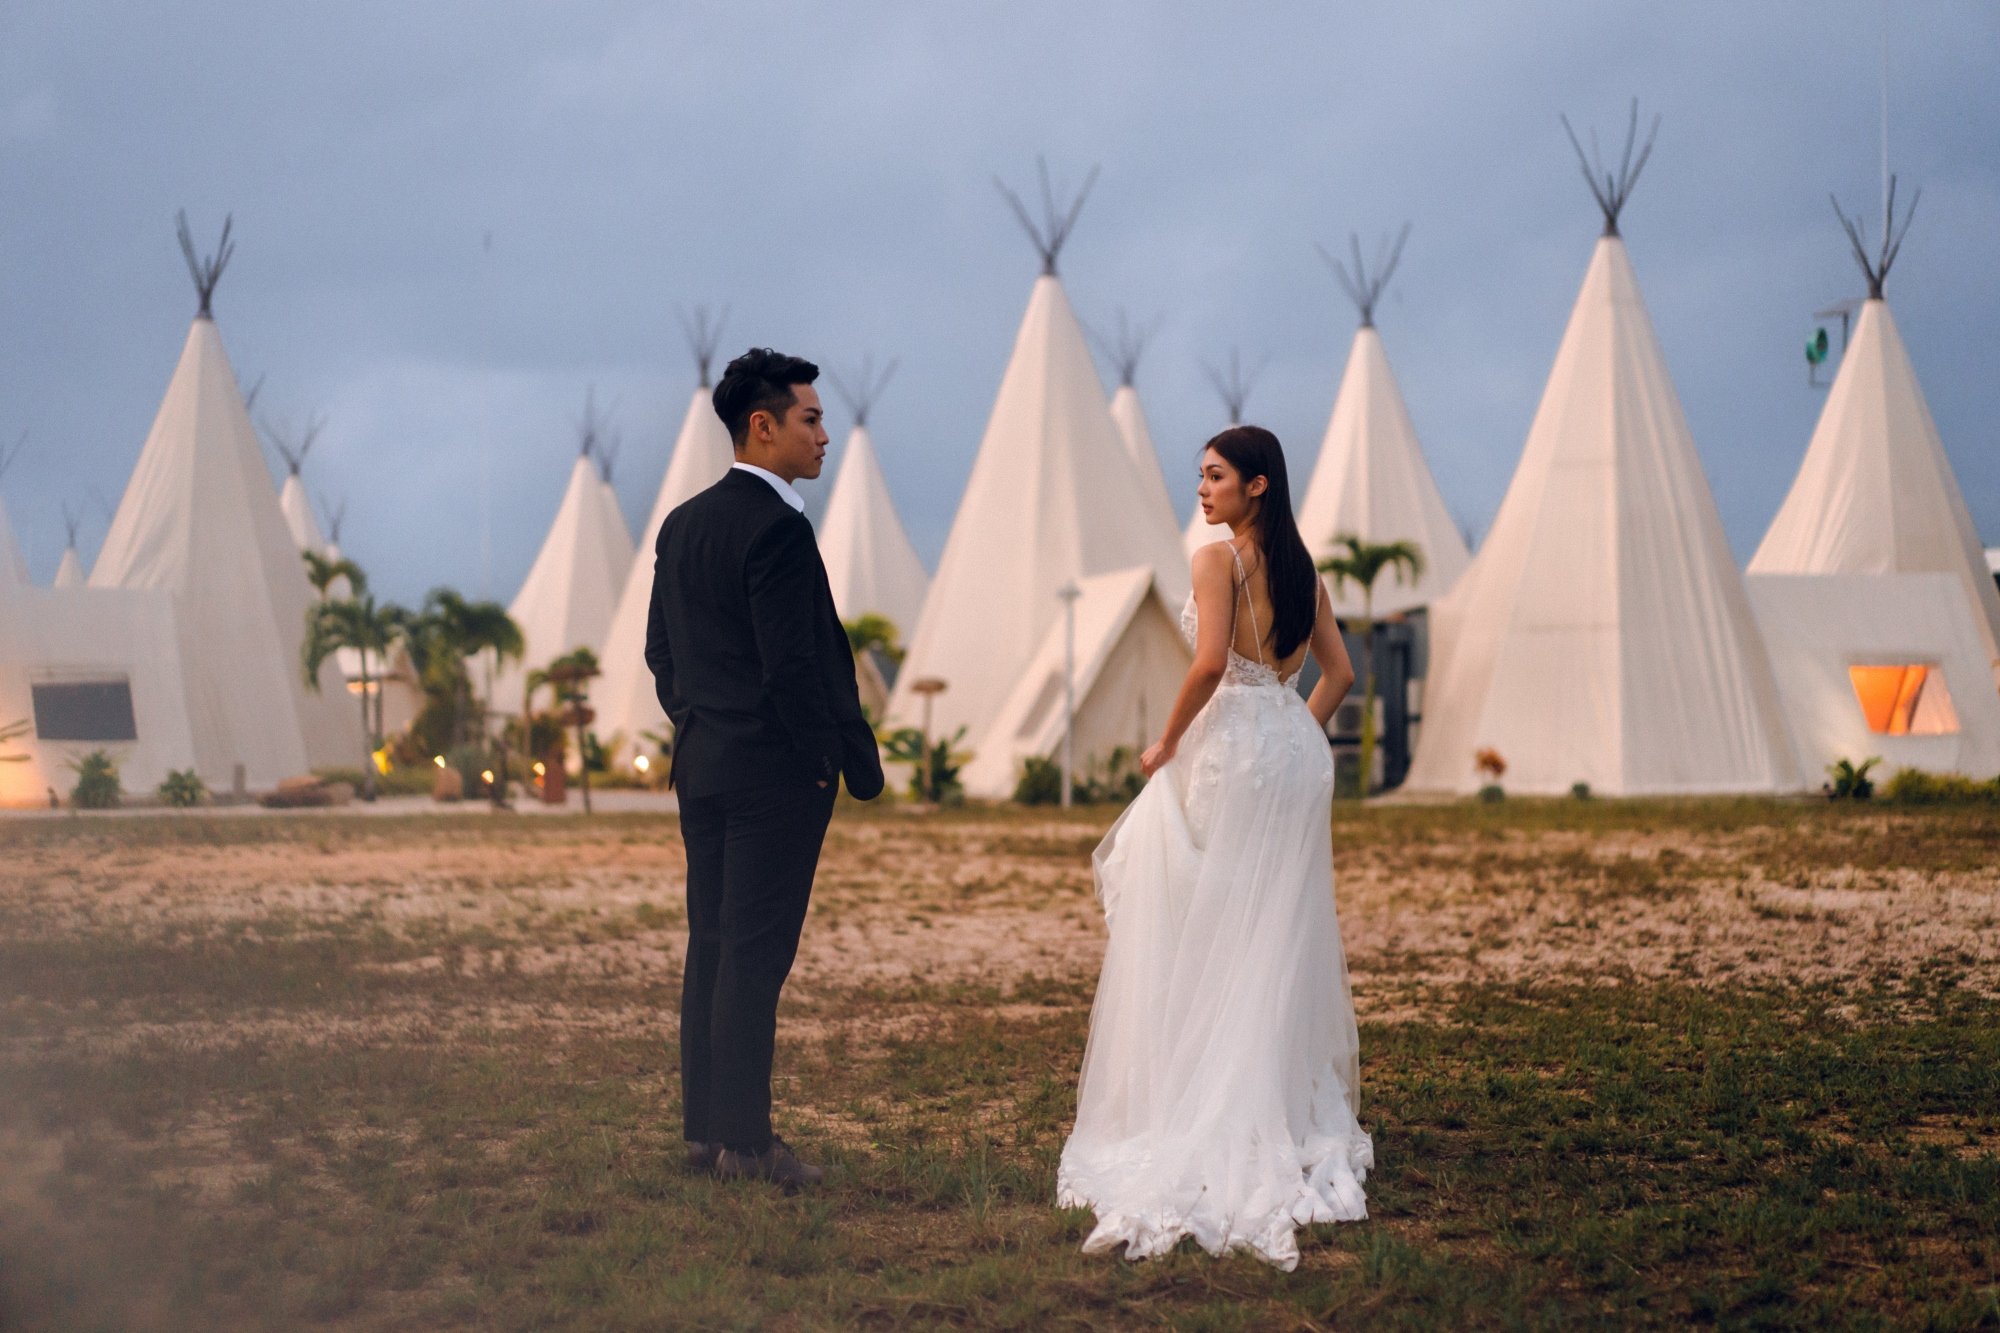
point(1243, 588)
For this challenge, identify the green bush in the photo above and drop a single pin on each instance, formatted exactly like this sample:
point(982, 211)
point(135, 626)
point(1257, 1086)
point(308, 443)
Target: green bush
point(1116, 780)
point(1911, 786)
point(1492, 793)
point(907, 746)
point(1040, 782)
point(1580, 790)
point(1848, 781)
point(96, 783)
point(183, 789)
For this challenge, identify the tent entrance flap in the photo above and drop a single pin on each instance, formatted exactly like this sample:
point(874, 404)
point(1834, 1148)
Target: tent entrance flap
point(1904, 699)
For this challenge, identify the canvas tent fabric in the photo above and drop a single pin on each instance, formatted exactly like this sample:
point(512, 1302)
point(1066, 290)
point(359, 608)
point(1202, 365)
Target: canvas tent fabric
point(1129, 661)
point(1602, 633)
point(1828, 633)
point(13, 566)
point(69, 574)
point(1050, 499)
point(299, 520)
point(1130, 416)
point(82, 637)
point(624, 697)
point(200, 520)
point(1371, 481)
point(567, 599)
point(870, 563)
point(1876, 493)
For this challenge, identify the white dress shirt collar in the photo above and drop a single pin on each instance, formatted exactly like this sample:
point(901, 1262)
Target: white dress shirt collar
point(778, 484)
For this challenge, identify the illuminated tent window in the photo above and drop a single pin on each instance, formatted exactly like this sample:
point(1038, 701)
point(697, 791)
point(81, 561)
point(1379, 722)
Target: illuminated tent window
point(1905, 700)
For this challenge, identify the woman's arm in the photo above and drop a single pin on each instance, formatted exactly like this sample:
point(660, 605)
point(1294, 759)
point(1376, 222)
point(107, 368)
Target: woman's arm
point(1336, 673)
point(1214, 599)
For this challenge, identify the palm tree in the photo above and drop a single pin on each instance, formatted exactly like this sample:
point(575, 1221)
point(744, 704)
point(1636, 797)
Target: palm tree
point(322, 573)
point(357, 623)
point(451, 630)
point(871, 630)
point(570, 675)
point(1363, 562)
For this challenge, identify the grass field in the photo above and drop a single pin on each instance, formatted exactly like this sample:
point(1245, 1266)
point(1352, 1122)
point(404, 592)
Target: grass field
point(1625, 1064)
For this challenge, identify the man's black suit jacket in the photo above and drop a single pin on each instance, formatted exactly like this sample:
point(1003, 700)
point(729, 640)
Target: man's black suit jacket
point(747, 652)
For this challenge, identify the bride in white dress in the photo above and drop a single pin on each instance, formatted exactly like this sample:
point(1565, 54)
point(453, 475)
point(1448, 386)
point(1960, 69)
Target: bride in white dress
point(1219, 1088)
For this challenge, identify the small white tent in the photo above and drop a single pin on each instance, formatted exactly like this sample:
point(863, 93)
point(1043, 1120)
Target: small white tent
point(1048, 501)
point(1602, 634)
point(13, 565)
point(1130, 417)
point(567, 599)
point(870, 563)
point(69, 573)
point(1876, 493)
point(200, 520)
point(88, 669)
point(1234, 390)
point(1371, 480)
point(614, 512)
point(1891, 665)
point(292, 499)
point(624, 697)
point(1129, 661)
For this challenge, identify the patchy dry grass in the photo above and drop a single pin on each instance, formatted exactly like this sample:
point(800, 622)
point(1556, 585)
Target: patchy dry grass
point(1626, 1063)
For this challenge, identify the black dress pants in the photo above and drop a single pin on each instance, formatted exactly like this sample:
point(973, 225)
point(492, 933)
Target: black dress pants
point(751, 856)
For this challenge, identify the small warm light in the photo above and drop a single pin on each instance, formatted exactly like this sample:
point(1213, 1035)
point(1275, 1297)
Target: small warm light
point(381, 758)
point(487, 777)
point(438, 760)
point(643, 764)
point(541, 769)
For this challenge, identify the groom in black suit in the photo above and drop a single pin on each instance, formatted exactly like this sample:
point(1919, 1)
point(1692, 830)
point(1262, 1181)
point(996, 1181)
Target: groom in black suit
point(755, 672)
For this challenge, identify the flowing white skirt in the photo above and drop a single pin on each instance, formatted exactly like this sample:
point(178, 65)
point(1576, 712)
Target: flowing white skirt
point(1220, 1084)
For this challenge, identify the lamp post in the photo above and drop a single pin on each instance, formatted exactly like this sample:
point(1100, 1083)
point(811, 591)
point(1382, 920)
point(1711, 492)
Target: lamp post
point(1069, 592)
point(927, 689)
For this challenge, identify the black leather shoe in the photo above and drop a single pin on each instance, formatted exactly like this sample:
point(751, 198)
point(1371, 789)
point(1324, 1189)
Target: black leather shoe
point(701, 1157)
point(777, 1164)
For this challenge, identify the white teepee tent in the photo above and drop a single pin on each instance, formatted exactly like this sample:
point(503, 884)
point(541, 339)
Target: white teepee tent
point(614, 512)
point(1371, 480)
point(566, 601)
point(200, 520)
point(1876, 493)
point(1048, 501)
point(1130, 418)
point(292, 499)
point(1603, 634)
point(870, 564)
point(624, 697)
point(70, 573)
point(1234, 389)
point(13, 565)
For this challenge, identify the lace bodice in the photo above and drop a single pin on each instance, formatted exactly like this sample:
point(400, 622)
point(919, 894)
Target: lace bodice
point(1240, 670)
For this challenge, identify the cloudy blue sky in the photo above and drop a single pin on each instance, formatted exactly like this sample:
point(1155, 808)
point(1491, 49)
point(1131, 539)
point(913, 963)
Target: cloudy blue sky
point(454, 218)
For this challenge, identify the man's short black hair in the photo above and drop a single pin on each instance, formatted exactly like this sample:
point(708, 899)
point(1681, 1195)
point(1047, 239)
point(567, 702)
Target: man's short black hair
point(760, 380)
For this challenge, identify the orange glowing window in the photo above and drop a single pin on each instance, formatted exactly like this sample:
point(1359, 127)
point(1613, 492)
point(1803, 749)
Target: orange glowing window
point(1908, 699)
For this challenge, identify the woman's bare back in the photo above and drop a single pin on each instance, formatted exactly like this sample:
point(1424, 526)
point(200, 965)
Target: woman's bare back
point(1254, 613)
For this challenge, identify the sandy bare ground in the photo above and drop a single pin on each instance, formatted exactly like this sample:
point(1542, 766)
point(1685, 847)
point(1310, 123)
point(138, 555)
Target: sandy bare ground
point(909, 900)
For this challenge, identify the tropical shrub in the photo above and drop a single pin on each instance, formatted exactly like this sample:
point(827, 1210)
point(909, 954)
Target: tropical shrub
point(1492, 793)
point(1912, 786)
point(183, 789)
point(96, 783)
point(907, 746)
point(1580, 790)
point(1848, 781)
